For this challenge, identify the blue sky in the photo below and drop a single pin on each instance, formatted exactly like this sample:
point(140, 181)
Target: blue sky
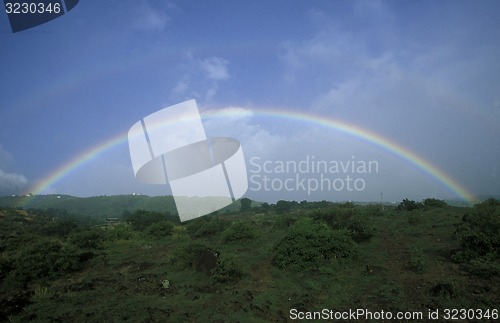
point(423, 74)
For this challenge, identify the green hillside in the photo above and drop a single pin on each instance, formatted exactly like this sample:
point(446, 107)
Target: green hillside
point(270, 263)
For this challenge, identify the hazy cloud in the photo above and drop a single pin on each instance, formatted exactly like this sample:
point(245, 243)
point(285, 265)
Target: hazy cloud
point(11, 183)
point(421, 89)
point(6, 159)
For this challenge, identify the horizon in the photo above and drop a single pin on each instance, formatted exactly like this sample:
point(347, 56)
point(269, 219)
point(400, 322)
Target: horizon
point(411, 86)
point(478, 199)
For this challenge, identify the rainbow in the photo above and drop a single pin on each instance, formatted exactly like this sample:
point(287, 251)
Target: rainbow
point(338, 125)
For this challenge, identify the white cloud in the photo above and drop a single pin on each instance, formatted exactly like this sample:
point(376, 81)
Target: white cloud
point(211, 92)
point(201, 79)
point(182, 86)
point(151, 18)
point(216, 68)
point(238, 123)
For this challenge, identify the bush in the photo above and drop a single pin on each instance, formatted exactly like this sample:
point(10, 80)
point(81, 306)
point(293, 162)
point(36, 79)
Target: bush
point(432, 203)
point(205, 227)
point(310, 245)
point(409, 205)
point(60, 227)
point(161, 229)
point(238, 231)
point(91, 238)
point(184, 256)
point(346, 219)
point(283, 207)
point(226, 270)
point(140, 219)
point(373, 210)
point(45, 259)
point(417, 260)
point(479, 234)
point(284, 221)
point(120, 232)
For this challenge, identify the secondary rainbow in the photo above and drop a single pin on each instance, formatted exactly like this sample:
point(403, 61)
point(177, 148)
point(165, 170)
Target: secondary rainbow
point(341, 126)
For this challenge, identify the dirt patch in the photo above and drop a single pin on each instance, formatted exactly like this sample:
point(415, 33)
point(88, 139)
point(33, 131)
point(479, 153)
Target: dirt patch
point(205, 261)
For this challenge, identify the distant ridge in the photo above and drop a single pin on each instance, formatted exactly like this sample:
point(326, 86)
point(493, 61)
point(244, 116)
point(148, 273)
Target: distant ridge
point(115, 205)
point(98, 206)
point(95, 206)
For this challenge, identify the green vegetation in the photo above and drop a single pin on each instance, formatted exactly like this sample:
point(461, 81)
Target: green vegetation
point(479, 236)
point(253, 263)
point(239, 231)
point(310, 245)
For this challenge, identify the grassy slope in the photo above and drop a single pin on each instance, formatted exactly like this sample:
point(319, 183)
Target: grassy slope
point(398, 268)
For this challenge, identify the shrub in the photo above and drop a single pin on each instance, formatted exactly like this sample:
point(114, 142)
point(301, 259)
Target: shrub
point(90, 238)
point(161, 229)
point(415, 219)
point(347, 219)
point(479, 234)
point(227, 270)
point(120, 232)
point(310, 245)
point(140, 219)
point(283, 207)
point(205, 227)
point(417, 260)
point(373, 210)
point(432, 203)
point(60, 227)
point(409, 205)
point(238, 231)
point(45, 259)
point(184, 256)
point(284, 221)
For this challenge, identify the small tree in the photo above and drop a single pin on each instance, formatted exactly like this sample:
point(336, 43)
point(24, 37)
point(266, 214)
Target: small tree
point(432, 203)
point(246, 205)
point(283, 206)
point(409, 205)
point(161, 229)
point(264, 207)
